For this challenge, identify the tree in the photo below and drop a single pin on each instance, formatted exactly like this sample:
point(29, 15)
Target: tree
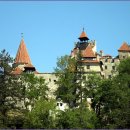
point(39, 108)
point(10, 92)
point(35, 89)
point(42, 115)
point(16, 89)
point(71, 119)
point(67, 87)
point(91, 85)
point(111, 99)
point(70, 80)
point(123, 67)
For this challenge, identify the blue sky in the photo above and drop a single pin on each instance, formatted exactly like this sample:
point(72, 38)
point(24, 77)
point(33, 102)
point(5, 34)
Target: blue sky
point(51, 27)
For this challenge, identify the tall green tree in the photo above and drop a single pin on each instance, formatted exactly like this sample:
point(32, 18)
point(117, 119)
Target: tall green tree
point(67, 87)
point(39, 108)
point(70, 79)
point(35, 89)
point(16, 89)
point(111, 99)
point(42, 115)
point(10, 92)
point(74, 119)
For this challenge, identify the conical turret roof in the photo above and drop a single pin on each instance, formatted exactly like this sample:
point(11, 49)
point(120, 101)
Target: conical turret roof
point(22, 54)
point(83, 36)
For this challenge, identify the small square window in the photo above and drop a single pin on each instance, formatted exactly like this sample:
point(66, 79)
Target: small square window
point(88, 66)
point(109, 76)
point(105, 67)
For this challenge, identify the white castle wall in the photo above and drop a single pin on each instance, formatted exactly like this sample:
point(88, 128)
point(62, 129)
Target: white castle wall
point(50, 79)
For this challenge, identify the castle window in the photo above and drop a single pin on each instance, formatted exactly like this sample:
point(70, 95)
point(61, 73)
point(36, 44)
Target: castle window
point(123, 57)
point(103, 76)
point(109, 76)
point(88, 66)
point(54, 80)
point(105, 67)
point(106, 60)
point(57, 104)
point(29, 72)
point(112, 60)
point(60, 104)
point(80, 68)
point(113, 67)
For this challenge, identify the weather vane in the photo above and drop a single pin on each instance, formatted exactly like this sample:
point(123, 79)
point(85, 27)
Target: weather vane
point(83, 29)
point(22, 35)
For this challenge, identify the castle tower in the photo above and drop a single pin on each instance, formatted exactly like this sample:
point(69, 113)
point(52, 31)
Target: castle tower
point(22, 61)
point(124, 51)
point(89, 61)
point(83, 36)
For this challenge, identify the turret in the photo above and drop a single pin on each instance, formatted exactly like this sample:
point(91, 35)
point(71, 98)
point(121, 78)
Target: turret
point(83, 36)
point(22, 61)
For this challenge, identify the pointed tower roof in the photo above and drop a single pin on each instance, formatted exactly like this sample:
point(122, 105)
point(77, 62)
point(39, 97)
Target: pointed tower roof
point(83, 36)
point(124, 47)
point(22, 54)
point(88, 52)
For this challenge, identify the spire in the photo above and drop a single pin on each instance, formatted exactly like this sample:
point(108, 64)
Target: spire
point(83, 36)
point(22, 54)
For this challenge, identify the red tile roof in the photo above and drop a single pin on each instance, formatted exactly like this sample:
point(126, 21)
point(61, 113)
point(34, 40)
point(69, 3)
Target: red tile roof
point(124, 47)
point(22, 54)
point(88, 52)
point(84, 36)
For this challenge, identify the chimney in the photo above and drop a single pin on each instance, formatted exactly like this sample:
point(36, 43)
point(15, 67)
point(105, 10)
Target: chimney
point(101, 52)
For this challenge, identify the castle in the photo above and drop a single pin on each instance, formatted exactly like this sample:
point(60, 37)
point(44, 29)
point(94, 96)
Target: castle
point(91, 60)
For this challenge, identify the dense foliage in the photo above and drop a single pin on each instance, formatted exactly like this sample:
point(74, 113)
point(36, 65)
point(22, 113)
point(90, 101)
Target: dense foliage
point(10, 90)
point(110, 98)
